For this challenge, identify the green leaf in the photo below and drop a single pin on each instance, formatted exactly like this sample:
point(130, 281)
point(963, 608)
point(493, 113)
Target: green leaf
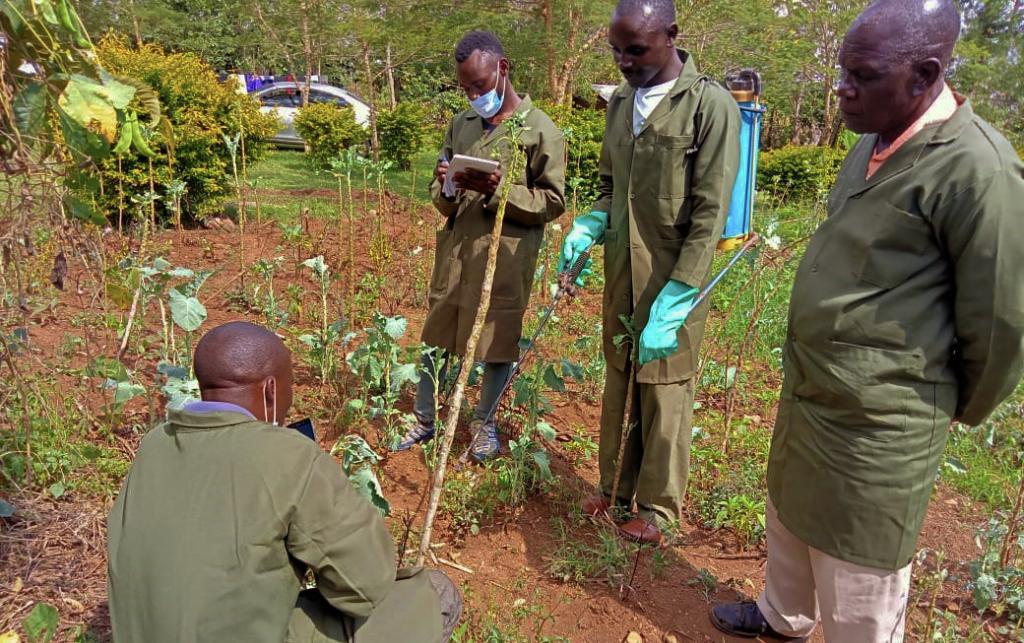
point(546, 431)
point(318, 266)
point(187, 312)
point(955, 465)
point(404, 373)
point(46, 8)
point(180, 391)
point(30, 108)
point(553, 379)
point(366, 483)
point(572, 370)
point(6, 509)
point(107, 368)
point(543, 461)
point(83, 211)
point(56, 490)
point(395, 327)
point(80, 140)
point(125, 391)
point(94, 105)
point(41, 623)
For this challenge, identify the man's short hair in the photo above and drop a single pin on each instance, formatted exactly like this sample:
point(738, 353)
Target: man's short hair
point(483, 41)
point(658, 14)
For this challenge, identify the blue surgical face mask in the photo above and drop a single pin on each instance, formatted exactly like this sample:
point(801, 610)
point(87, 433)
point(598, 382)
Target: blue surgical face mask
point(489, 104)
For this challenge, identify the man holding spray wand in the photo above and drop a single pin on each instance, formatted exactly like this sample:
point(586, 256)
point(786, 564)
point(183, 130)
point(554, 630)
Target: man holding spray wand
point(668, 165)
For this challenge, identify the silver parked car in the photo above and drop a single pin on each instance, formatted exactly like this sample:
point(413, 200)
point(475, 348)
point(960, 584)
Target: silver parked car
point(285, 99)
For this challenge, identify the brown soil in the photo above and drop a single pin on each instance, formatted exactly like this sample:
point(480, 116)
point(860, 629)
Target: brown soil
point(53, 550)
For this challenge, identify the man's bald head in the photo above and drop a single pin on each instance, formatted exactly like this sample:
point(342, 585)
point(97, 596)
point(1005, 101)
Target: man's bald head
point(912, 30)
point(239, 354)
point(893, 63)
point(247, 365)
point(657, 15)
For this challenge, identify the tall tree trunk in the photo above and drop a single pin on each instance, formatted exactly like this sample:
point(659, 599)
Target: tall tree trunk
point(135, 23)
point(392, 90)
point(794, 139)
point(372, 100)
point(307, 51)
point(550, 51)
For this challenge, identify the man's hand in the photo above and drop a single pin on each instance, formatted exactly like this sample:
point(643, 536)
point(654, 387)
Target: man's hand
point(477, 181)
point(441, 171)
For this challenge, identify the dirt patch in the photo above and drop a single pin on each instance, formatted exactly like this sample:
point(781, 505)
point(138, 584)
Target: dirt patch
point(55, 550)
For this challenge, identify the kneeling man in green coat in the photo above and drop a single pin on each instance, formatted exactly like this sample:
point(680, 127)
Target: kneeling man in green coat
point(224, 510)
point(907, 313)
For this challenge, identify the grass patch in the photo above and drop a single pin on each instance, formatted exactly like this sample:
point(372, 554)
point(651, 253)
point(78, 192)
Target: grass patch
point(289, 171)
point(985, 462)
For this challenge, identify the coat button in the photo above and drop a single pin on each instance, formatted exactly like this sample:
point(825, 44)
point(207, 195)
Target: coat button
point(632, 196)
point(814, 268)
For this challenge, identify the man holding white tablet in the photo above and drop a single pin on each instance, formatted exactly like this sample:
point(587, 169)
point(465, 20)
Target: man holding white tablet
point(469, 202)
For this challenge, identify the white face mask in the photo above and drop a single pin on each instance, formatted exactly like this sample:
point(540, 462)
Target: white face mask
point(266, 416)
point(489, 104)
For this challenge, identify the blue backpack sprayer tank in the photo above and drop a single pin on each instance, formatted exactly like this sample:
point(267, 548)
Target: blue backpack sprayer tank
point(745, 87)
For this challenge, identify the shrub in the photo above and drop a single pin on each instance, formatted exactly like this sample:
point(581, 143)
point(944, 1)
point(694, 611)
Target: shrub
point(443, 107)
point(403, 132)
point(328, 130)
point(200, 111)
point(583, 130)
point(799, 171)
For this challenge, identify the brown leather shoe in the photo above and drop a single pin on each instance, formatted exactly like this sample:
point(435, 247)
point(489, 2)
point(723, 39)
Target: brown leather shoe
point(641, 531)
point(595, 505)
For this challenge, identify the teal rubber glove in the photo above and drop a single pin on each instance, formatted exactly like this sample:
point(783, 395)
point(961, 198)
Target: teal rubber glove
point(587, 230)
point(668, 312)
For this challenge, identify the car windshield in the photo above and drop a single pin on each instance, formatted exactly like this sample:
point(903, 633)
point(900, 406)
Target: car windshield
point(289, 97)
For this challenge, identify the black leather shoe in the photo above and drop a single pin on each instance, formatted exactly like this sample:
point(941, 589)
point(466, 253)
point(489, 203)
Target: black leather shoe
point(744, 619)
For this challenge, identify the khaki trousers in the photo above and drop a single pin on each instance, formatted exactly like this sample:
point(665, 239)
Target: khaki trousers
point(656, 462)
point(855, 604)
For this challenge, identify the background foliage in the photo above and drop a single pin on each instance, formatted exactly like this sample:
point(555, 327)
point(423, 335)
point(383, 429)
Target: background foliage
point(201, 111)
point(327, 130)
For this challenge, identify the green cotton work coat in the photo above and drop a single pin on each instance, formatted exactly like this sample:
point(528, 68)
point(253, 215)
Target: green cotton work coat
point(216, 524)
point(667, 194)
point(537, 197)
point(907, 312)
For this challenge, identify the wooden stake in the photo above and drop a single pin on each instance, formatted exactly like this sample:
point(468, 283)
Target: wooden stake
point(630, 385)
point(437, 483)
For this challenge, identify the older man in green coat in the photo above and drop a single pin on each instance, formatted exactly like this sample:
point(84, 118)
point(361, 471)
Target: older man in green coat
point(537, 197)
point(224, 511)
point(907, 314)
point(668, 165)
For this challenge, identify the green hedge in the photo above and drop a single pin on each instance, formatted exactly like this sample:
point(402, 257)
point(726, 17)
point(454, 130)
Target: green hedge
point(201, 111)
point(403, 132)
point(327, 130)
point(584, 131)
point(799, 171)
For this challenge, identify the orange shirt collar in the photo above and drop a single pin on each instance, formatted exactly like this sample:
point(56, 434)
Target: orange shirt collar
point(940, 111)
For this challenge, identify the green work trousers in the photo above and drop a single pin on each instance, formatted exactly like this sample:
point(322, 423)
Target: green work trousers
point(656, 461)
point(423, 608)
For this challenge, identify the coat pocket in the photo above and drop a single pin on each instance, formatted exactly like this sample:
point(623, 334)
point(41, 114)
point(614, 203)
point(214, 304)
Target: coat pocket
point(862, 390)
point(508, 292)
point(673, 155)
point(444, 263)
point(897, 249)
